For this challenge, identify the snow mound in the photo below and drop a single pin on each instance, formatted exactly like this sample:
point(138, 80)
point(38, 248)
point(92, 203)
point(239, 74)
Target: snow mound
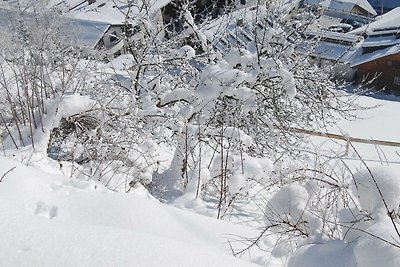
point(376, 187)
point(371, 252)
point(289, 203)
point(333, 253)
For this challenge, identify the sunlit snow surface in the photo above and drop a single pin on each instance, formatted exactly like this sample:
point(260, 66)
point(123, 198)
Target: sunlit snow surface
point(48, 220)
point(380, 121)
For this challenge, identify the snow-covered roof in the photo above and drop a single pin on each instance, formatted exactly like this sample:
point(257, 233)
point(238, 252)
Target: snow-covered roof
point(347, 5)
point(334, 37)
point(312, 2)
point(4, 18)
point(88, 33)
point(385, 23)
point(111, 12)
point(334, 46)
point(361, 59)
point(291, 3)
point(224, 32)
point(380, 41)
point(332, 51)
point(242, 28)
point(338, 5)
point(64, 2)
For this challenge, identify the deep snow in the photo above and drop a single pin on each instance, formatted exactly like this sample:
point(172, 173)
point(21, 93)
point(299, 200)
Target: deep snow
point(49, 220)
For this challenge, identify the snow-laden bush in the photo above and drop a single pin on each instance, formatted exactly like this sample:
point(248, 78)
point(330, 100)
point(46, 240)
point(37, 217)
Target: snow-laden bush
point(289, 205)
point(226, 116)
point(366, 225)
point(218, 110)
point(230, 120)
point(378, 191)
point(379, 245)
point(38, 65)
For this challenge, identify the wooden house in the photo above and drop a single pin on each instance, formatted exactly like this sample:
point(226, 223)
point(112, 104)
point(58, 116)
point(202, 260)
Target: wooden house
point(104, 24)
point(238, 29)
point(378, 63)
point(201, 10)
point(385, 25)
point(88, 35)
point(380, 69)
point(341, 8)
point(332, 49)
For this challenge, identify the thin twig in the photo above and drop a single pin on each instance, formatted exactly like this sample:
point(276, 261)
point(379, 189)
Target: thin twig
point(7, 172)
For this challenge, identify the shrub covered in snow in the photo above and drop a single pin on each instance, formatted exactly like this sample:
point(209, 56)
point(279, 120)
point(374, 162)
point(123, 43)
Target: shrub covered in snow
point(226, 124)
point(368, 232)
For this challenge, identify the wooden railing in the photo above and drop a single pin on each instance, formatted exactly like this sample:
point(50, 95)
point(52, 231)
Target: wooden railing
point(349, 138)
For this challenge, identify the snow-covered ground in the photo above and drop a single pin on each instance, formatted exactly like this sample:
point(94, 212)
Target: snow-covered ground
point(378, 122)
point(50, 220)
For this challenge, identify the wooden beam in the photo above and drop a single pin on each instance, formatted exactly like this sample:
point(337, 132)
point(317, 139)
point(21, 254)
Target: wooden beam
point(348, 138)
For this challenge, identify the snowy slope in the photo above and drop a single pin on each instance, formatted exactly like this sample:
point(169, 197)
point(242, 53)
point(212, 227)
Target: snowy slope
point(47, 220)
point(383, 162)
point(378, 122)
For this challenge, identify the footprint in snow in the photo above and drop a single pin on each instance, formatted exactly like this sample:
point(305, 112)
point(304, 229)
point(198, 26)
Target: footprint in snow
point(69, 186)
point(45, 210)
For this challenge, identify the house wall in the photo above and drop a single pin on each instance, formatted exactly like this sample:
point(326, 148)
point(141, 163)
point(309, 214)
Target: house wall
point(360, 11)
point(157, 19)
point(292, 10)
point(343, 72)
point(387, 69)
point(112, 35)
point(112, 41)
point(340, 71)
point(202, 9)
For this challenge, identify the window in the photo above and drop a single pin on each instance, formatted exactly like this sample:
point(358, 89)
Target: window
point(393, 64)
point(113, 36)
point(396, 80)
point(396, 64)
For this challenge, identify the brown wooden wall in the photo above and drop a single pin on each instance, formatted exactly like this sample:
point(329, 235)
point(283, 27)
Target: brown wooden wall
point(386, 69)
point(360, 11)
